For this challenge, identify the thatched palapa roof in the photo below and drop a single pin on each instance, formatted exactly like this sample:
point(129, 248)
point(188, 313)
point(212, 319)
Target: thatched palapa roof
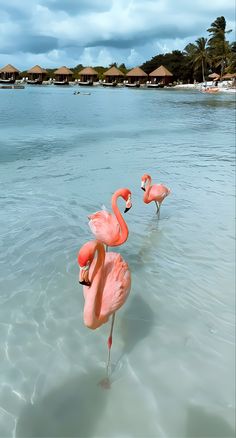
point(9, 69)
point(214, 76)
point(63, 71)
point(229, 76)
point(37, 70)
point(161, 72)
point(137, 71)
point(113, 71)
point(88, 71)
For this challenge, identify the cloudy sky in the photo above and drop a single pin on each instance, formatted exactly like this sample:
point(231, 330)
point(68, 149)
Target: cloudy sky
point(98, 32)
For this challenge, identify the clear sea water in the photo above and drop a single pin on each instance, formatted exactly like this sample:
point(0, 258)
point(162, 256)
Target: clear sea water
point(61, 158)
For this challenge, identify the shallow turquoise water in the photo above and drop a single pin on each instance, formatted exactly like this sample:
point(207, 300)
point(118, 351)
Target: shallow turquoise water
point(61, 158)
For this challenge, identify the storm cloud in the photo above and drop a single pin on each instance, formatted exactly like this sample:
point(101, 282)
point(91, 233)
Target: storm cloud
point(95, 32)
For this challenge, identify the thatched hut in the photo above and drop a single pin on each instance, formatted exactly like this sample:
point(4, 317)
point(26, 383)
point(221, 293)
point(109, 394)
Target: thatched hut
point(161, 76)
point(36, 75)
point(62, 76)
point(9, 73)
point(88, 75)
point(136, 75)
point(113, 75)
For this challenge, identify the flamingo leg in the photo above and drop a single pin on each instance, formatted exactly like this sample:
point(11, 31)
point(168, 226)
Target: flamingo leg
point(109, 344)
point(158, 208)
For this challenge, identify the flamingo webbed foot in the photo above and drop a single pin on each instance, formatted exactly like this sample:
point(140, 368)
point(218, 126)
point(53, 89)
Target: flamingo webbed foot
point(105, 383)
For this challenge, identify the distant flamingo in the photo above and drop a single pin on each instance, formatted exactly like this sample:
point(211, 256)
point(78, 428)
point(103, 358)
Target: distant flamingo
point(156, 192)
point(111, 229)
point(107, 281)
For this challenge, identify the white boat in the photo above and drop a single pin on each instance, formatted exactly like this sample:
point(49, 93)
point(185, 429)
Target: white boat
point(134, 85)
point(155, 85)
point(7, 81)
point(34, 81)
point(109, 84)
point(61, 83)
point(85, 83)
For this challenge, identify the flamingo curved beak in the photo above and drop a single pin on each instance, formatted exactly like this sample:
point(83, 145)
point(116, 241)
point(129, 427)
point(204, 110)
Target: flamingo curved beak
point(84, 276)
point(85, 283)
point(128, 204)
point(127, 209)
point(143, 186)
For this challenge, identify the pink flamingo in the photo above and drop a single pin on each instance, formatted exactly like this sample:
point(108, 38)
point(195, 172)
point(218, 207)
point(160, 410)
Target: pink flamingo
point(107, 281)
point(111, 229)
point(156, 192)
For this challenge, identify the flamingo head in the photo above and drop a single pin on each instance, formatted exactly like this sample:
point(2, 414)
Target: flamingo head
point(85, 258)
point(144, 180)
point(126, 195)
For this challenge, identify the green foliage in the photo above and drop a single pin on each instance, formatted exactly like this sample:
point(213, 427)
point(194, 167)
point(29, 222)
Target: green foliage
point(100, 71)
point(219, 48)
point(175, 62)
point(198, 56)
point(123, 68)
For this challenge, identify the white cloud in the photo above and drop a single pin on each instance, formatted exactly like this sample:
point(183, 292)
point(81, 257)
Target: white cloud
point(95, 32)
point(133, 58)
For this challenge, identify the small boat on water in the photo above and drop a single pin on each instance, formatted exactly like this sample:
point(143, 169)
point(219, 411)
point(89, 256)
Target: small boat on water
point(109, 84)
point(155, 85)
point(7, 81)
point(85, 83)
point(83, 94)
point(61, 83)
point(34, 82)
point(134, 85)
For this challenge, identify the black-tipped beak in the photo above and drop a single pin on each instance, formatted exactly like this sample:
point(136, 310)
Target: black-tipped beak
point(143, 188)
point(127, 209)
point(85, 283)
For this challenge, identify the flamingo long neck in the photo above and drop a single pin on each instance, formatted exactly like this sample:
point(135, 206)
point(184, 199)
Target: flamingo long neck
point(147, 189)
point(124, 232)
point(94, 295)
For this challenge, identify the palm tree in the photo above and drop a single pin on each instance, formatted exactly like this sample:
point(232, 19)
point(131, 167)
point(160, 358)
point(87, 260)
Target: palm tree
point(197, 55)
point(219, 47)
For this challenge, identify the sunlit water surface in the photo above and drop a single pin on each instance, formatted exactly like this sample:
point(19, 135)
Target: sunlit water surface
point(62, 157)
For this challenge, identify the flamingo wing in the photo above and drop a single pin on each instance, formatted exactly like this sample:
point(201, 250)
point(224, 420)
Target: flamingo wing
point(158, 192)
point(117, 283)
point(105, 227)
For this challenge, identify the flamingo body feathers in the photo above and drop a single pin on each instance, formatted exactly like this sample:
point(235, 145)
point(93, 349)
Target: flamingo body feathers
point(113, 290)
point(105, 227)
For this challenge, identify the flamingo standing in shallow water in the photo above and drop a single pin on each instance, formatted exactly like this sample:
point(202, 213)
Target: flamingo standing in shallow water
point(107, 281)
point(155, 192)
point(111, 229)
